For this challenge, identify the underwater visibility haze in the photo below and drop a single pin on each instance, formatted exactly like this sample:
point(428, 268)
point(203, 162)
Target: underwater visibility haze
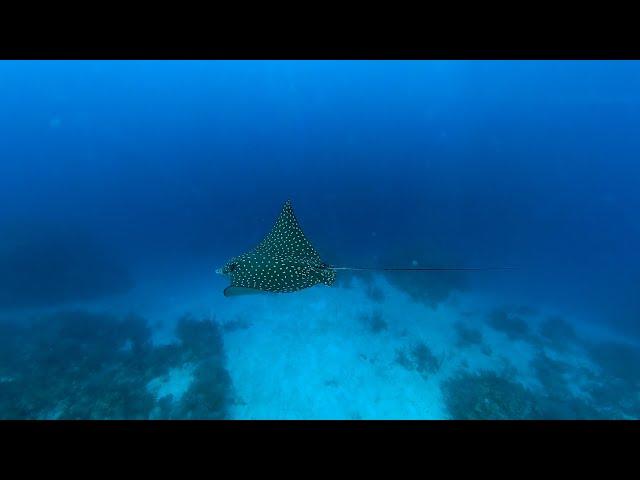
point(464, 243)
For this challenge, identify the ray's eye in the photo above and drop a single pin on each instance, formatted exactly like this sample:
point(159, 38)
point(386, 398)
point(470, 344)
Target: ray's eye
point(232, 267)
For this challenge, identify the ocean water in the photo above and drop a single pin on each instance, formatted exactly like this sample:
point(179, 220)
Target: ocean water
point(124, 185)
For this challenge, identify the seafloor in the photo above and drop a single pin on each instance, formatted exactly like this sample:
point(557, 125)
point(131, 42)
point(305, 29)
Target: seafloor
point(371, 347)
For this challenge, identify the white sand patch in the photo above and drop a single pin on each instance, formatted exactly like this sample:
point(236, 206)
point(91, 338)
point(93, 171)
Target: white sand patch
point(308, 356)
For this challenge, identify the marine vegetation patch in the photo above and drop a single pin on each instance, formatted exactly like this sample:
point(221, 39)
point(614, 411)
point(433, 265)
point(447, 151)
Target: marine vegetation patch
point(467, 336)
point(615, 398)
point(552, 374)
point(600, 397)
point(373, 321)
point(558, 333)
point(83, 365)
point(617, 385)
point(565, 391)
point(419, 358)
point(512, 325)
point(618, 360)
point(487, 395)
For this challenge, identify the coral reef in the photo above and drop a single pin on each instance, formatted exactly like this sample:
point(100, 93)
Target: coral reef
point(83, 365)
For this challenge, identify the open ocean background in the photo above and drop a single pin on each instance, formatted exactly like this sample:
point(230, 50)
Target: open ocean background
point(125, 184)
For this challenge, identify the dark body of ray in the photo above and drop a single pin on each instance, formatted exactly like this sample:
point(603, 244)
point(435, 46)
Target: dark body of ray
point(285, 261)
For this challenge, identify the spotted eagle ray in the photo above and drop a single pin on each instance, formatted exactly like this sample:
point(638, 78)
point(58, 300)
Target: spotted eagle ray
point(285, 261)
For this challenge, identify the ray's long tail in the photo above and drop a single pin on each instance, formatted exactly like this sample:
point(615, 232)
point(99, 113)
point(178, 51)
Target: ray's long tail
point(419, 269)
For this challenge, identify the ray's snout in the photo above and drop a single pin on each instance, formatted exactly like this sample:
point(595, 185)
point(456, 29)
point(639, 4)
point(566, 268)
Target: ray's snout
point(219, 271)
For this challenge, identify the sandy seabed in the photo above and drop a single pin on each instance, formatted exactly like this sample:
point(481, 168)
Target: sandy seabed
point(316, 354)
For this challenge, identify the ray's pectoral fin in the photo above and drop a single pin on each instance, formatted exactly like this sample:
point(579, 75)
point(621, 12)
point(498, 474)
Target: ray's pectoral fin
point(234, 291)
point(328, 276)
point(285, 261)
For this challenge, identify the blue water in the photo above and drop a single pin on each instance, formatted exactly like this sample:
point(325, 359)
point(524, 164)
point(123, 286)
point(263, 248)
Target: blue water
point(125, 184)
